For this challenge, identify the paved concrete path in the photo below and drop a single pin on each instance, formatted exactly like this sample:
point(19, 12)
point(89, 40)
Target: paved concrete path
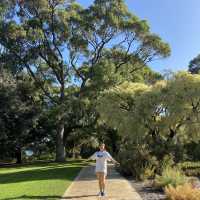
point(85, 187)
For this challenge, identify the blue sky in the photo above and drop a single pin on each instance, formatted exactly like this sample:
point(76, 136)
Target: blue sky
point(176, 21)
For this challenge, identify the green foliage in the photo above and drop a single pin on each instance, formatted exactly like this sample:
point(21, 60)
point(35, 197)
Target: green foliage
point(168, 161)
point(189, 165)
point(190, 168)
point(165, 115)
point(84, 34)
point(166, 111)
point(192, 172)
point(170, 176)
point(193, 150)
point(19, 112)
point(136, 160)
point(72, 53)
point(81, 142)
point(147, 172)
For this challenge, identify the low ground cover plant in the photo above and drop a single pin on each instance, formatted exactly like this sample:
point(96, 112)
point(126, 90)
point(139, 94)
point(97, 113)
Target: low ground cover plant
point(182, 192)
point(170, 176)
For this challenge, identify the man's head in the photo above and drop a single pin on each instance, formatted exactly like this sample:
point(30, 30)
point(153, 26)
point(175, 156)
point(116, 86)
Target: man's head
point(102, 147)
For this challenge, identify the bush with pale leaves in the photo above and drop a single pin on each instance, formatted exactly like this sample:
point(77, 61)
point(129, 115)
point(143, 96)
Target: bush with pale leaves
point(170, 176)
point(182, 192)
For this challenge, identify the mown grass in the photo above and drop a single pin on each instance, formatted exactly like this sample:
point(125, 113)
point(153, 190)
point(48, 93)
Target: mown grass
point(37, 181)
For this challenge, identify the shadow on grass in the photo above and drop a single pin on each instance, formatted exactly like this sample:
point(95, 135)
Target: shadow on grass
point(40, 164)
point(47, 197)
point(59, 171)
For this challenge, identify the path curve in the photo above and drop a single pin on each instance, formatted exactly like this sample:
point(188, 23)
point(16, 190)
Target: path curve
point(85, 186)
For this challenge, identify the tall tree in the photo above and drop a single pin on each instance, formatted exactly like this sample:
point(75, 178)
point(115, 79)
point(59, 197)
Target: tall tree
point(61, 44)
point(166, 111)
point(19, 112)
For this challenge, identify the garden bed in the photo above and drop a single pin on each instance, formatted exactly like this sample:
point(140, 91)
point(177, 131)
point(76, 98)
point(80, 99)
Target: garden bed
point(146, 191)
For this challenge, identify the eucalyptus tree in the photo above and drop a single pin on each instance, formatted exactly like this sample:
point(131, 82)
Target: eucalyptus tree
point(75, 50)
point(166, 112)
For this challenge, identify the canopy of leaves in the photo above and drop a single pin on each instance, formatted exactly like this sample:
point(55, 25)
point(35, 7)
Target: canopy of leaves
point(73, 53)
point(167, 109)
point(19, 112)
point(58, 40)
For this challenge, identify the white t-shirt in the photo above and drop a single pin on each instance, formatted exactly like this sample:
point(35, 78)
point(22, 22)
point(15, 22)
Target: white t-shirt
point(101, 158)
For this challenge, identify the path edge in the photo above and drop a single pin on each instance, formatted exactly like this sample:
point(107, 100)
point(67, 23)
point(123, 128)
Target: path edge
point(75, 179)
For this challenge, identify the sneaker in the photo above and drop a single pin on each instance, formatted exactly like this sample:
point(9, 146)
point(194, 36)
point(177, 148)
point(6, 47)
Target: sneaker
point(99, 194)
point(103, 194)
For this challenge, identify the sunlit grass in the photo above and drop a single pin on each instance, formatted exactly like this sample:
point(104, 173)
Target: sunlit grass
point(37, 181)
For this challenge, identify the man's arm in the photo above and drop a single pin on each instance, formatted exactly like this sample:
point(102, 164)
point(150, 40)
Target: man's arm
point(110, 158)
point(114, 161)
point(93, 157)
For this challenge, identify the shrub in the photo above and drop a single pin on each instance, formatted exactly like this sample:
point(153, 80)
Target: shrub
point(190, 168)
point(147, 172)
point(168, 161)
point(125, 158)
point(189, 165)
point(192, 172)
point(137, 161)
point(170, 176)
point(182, 192)
point(193, 150)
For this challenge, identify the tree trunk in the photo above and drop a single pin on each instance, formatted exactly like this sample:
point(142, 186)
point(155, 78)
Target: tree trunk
point(60, 145)
point(73, 152)
point(18, 155)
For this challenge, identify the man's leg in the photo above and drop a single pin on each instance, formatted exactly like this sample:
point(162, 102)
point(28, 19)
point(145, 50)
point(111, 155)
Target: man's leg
point(99, 180)
point(103, 181)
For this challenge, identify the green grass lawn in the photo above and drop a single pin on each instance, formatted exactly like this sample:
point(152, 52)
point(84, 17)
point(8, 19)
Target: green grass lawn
point(37, 181)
